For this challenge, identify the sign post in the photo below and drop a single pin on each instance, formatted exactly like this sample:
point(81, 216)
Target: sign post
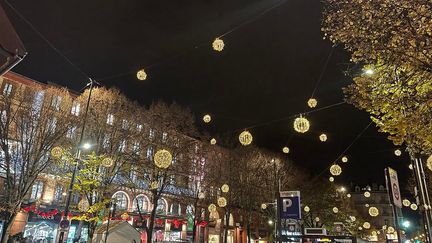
point(288, 207)
point(394, 195)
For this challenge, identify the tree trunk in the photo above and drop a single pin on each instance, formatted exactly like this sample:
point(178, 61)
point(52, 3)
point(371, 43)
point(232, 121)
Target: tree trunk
point(248, 228)
point(152, 219)
point(7, 226)
point(194, 232)
point(91, 230)
point(227, 216)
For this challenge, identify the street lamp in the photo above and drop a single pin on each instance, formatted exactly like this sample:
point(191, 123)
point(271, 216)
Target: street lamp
point(270, 222)
point(86, 146)
point(406, 224)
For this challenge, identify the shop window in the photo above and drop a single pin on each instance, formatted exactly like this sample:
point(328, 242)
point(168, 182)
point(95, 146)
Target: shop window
point(76, 107)
point(58, 194)
point(121, 200)
point(142, 201)
point(36, 191)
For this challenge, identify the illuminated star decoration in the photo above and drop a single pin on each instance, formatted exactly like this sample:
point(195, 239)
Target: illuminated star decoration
point(218, 44)
point(406, 202)
point(331, 179)
point(301, 124)
point(107, 162)
point(335, 210)
point(413, 206)
point(245, 138)
point(306, 209)
point(83, 205)
point(141, 75)
point(366, 225)
point(225, 188)
point(263, 206)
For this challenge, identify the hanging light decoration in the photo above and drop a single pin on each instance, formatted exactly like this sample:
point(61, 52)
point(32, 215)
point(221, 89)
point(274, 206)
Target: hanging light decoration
point(83, 205)
point(201, 195)
point(141, 75)
point(225, 188)
point(406, 202)
point(212, 208)
point(366, 225)
point(107, 162)
point(245, 138)
point(162, 159)
point(323, 137)
point(263, 206)
point(429, 162)
point(335, 170)
point(317, 219)
point(374, 233)
point(331, 179)
point(301, 124)
point(154, 185)
point(367, 205)
point(397, 152)
point(390, 230)
point(344, 159)
point(213, 141)
point(373, 211)
point(312, 102)
point(207, 118)
point(413, 206)
point(353, 218)
point(306, 209)
point(335, 210)
point(360, 228)
point(56, 152)
point(285, 150)
point(366, 194)
point(222, 202)
point(218, 44)
point(348, 195)
point(384, 227)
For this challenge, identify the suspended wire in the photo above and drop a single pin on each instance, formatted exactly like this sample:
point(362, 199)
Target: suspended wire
point(322, 71)
point(46, 40)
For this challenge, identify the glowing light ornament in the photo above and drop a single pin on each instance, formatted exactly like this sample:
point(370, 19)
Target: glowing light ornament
point(335, 210)
point(218, 44)
point(344, 159)
point(245, 138)
point(384, 227)
point(285, 150)
point(222, 202)
point(225, 188)
point(56, 152)
point(323, 137)
point(429, 162)
point(201, 195)
point(373, 211)
point(317, 219)
point(213, 141)
point(141, 75)
point(83, 205)
point(154, 185)
point(397, 152)
point(353, 218)
point(263, 206)
point(107, 162)
point(348, 195)
point(366, 194)
point(312, 102)
point(367, 205)
point(335, 170)
point(360, 228)
point(413, 206)
point(207, 118)
point(331, 179)
point(125, 216)
point(374, 233)
point(162, 159)
point(306, 209)
point(301, 124)
point(406, 202)
point(390, 230)
point(366, 225)
point(212, 208)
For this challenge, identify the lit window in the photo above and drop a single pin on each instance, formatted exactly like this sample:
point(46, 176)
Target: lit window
point(121, 200)
point(175, 209)
point(110, 119)
point(139, 127)
point(52, 124)
point(58, 194)
point(76, 107)
point(164, 137)
point(71, 132)
point(76, 198)
point(125, 124)
point(36, 191)
point(106, 141)
point(136, 147)
point(172, 179)
point(7, 89)
point(3, 116)
point(122, 147)
point(161, 207)
point(150, 153)
point(151, 134)
point(140, 201)
point(133, 174)
point(56, 101)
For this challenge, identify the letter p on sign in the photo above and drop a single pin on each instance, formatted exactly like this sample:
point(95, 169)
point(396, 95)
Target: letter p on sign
point(286, 203)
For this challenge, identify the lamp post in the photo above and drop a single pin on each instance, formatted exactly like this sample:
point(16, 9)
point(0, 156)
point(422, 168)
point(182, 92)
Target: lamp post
point(63, 232)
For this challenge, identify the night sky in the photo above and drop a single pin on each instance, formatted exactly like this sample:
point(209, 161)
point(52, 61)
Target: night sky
point(267, 71)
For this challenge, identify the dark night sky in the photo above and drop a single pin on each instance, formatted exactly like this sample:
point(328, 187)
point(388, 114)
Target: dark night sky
point(267, 70)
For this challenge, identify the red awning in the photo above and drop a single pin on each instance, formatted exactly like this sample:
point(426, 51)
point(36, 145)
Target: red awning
point(12, 50)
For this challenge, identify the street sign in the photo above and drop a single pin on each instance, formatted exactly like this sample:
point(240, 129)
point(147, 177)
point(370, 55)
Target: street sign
point(289, 205)
point(64, 224)
point(394, 188)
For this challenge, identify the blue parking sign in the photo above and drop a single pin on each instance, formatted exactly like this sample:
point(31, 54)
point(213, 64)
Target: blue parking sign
point(289, 205)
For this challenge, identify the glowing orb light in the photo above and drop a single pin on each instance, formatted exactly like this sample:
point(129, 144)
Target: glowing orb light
point(285, 150)
point(107, 162)
point(366, 194)
point(212, 208)
point(56, 152)
point(335, 170)
point(406, 202)
point(312, 102)
point(162, 159)
point(222, 202)
point(213, 141)
point(335, 210)
point(373, 211)
point(207, 118)
point(301, 124)
point(344, 159)
point(245, 138)
point(225, 188)
point(141, 75)
point(323, 137)
point(397, 152)
point(306, 209)
point(218, 44)
point(366, 225)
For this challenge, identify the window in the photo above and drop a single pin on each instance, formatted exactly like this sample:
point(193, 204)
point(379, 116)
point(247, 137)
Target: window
point(190, 210)
point(36, 191)
point(175, 209)
point(139, 127)
point(133, 174)
point(58, 194)
point(136, 147)
point(7, 89)
point(71, 132)
point(56, 101)
point(161, 206)
point(121, 200)
point(122, 146)
point(52, 124)
point(75, 198)
point(142, 201)
point(164, 137)
point(76, 107)
point(150, 153)
point(151, 133)
point(110, 119)
point(3, 116)
point(125, 124)
point(172, 179)
point(106, 141)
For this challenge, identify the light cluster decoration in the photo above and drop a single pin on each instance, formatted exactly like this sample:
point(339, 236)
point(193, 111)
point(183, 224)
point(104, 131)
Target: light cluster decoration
point(312, 102)
point(344, 159)
point(107, 162)
point(141, 75)
point(373, 211)
point(154, 185)
point(212, 208)
point(331, 179)
point(245, 138)
point(213, 141)
point(218, 44)
point(163, 159)
point(390, 230)
point(285, 150)
point(429, 162)
point(207, 118)
point(413, 206)
point(225, 188)
point(56, 152)
point(397, 152)
point(301, 124)
point(306, 209)
point(83, 205)
point(335, 210)
point(366, 225)
point(263, 206)
point(406, 202)
point(366, 194)
point(222, 202)
point(335, 170)
point(323, 137)
point(348, 195)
